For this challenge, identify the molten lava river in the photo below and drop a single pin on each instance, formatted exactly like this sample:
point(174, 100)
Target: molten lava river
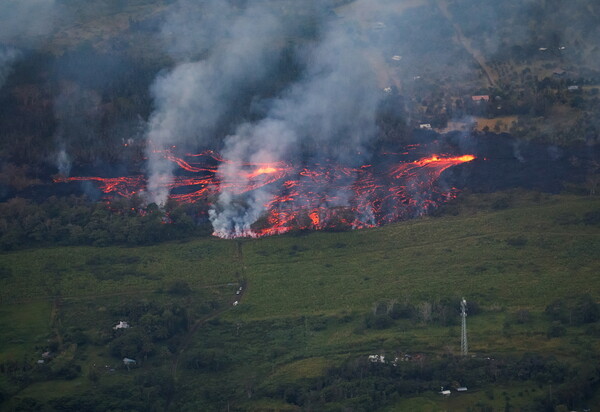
point(320, 196)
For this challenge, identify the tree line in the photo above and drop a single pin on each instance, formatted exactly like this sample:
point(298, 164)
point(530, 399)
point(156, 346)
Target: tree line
point(75, 220)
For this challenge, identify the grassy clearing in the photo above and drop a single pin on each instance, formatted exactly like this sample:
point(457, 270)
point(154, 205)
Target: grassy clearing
point(302, 369)
point(98, 21)
point(23, 327)
point(503, 123)
point(495, 398)
point(418, 404)
point(509, 258)
point(73, 272)
point(305, 305)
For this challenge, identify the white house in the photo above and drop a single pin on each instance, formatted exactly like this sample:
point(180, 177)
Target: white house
point(377, 358)
point(121, 325)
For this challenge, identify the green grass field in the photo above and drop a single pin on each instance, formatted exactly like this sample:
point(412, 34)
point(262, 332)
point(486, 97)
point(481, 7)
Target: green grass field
point(303, 308)
point(78, 272)
point(511, 258)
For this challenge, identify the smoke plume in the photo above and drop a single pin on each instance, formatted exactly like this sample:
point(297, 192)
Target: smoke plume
point(23, 24)
point(330, 112)
point(7, 57)
point(63, 162)
point(238, 49)
point(78, 116)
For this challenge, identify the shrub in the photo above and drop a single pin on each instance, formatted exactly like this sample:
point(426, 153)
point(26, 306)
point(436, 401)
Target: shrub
point(519, 241)
point(179, 287)
point(592, 218)
point(382, 321)
point(556, 331)
point(578, 310)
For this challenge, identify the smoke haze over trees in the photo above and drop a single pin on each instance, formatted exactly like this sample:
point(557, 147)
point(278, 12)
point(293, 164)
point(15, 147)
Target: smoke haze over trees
point(117, 83)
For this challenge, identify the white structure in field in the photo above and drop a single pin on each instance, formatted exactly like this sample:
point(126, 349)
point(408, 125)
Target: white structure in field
point(121, 325)
point(464, 345)
point(377, 358)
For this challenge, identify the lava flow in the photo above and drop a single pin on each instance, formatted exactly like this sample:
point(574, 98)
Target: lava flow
point(319, 196)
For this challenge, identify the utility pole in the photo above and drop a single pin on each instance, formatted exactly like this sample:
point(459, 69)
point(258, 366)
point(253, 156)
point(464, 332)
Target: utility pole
point(464, 345)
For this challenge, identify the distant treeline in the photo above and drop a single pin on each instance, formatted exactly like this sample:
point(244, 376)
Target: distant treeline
point(77, 221)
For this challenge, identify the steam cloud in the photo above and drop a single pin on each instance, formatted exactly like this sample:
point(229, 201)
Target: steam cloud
point(193, 97)
point(63, 162)
point(23, 23)
point(7, 57)
point(332, 109)
point(222, 52)
point(77, 112)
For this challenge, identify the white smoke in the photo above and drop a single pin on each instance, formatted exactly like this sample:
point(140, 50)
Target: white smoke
point(7, 57)
point(26, 24)
point(23, 23)
point(78, 116)
point(63, 162)
point(328, 112)
point(331, 110)
point(266, 142)
point(191, 100)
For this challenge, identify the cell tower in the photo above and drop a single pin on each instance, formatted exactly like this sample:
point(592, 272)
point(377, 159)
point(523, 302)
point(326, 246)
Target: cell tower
point(464, 345)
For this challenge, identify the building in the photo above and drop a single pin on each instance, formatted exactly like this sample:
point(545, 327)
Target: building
point(479, 98)
point(559, 73)
point(121, 325)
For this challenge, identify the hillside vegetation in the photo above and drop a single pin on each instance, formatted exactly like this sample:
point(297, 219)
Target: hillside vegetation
point(312, 307)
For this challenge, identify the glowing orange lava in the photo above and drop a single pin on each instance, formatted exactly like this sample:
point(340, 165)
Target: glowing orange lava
point(314, 217)
point(262, 171)
point(319, 196)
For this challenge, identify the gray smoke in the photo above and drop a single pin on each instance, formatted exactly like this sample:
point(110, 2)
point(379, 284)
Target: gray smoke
point(26, 21)
point(7, 57)
point(63, 162)
point(78, 116)
point(222, 51)
point(328, 112)
point(268, 142)
point(23, 24)
point(331, 111)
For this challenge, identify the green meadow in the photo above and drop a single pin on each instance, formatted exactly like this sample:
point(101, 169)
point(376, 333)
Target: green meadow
point(518, 257)
point(312, 307)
